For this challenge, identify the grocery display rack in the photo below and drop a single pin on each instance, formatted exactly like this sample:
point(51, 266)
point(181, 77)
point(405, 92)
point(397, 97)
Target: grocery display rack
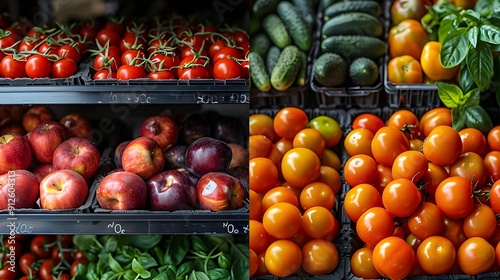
point(140, 95)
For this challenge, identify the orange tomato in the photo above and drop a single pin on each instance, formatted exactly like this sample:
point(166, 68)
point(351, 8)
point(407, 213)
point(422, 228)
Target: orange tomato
point(257, 236)
point(300, 166)
point(311, 139)
point(330, 158)
point(434, 117)
point(331, 177)
point(359, 199)
point(318, 222)
point(475, 256)
point(481, 222)
point(407, 38)
point(360, 169)
point(393, 258)
point(358, 141)
point(362, 264)
point(262, 124)
point(317, 194)
point(442, 146)
point(255, 205)
point(374, 225)
point(319, 257)
point(259, 146)
point(426, 221)
point(494, 138)
point(278, 194)
point(283, 258)
point(404, 70)
point(430, 61)
point(263, 174)
point(253, 262)
point(282, 220)
point(453, 230)
point(436, 255)
point(288, 121)
point(473, 140)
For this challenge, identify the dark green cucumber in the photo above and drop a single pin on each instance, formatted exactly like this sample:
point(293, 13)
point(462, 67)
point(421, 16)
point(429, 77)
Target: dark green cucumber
point(308, 12)
point(330, 70)
point(272, 57)
point(354, 23)
point(286, 69)
point(363, 71)
point(370, 7)
point(326, 3)
point(352, 46)
point(258, 72)
point(260, 43)
point(296, 26)
point(264, 7)
point(302, 75)
point(275, 29)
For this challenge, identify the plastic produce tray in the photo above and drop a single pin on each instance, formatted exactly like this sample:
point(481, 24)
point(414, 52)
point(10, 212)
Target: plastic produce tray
point(351, 241)
point(70, 81)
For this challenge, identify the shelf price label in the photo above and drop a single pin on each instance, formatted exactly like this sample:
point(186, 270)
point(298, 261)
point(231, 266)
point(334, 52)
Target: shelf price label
point(116, 228)
point(233, 229)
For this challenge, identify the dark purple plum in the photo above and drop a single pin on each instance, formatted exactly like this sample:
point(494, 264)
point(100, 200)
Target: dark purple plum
point(171, 190)
point(208, 155)
point(175, 157)
point(229, 130)
point(192, 127)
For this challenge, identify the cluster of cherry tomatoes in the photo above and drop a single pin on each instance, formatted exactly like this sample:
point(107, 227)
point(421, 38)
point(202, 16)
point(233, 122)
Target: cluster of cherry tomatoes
point(423, 196)
point(293, 180)
point(176, 48)
point(29, 51)
point(40, 257)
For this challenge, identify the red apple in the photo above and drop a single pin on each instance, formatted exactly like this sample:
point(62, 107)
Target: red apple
point(63, 189)
point(219, 191)
point(77, 154)
point(240, 155)
point(171, 190)
point(45, 138)
point(119, 152)
point(77, 125)
point(162, 129)
point(144, 157)
point(11, 127)
point(42, 170)
point(122, 190)
point(16, 113)
point(18, 189)
point(36, 115)
point(15, 152)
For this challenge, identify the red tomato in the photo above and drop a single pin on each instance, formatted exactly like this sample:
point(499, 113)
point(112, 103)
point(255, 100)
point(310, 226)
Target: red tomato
point(227, 68)
point(369, 121)
point(473, 140)
point(215, 47)
point(38, 66)
point(407, 122)
point(64, 68)
point(192, 68)
point(104, 74)
point(130, 72)
point(132, 43)
point(494, 138)
point(12, 68)
point(426, 221)
point(110, 59)
point(387, 144)
point(433, 177)
point(360, 169)
point(132, 57)
point(374, 225)
point(393, 258)
point(492, 163)
point(227, 52)
point(67, 51)
point(163, 62)
point(401, 197)
point(107, 35)
point(161, 75)
point(454, 197)
point(442, 146)
point(453, 230)
point(495, 197)
point(26, 264)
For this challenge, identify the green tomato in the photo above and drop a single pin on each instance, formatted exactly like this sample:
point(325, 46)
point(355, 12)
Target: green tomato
point(329, 128)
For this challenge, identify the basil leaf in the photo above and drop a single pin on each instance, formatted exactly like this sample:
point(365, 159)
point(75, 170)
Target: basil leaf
point(477, 117)
point(224, 261)
point(219, 274)
point(480, 65)
point(142, 271)
point(111, 245)
point(454, 49)
point(146, 260)
point(197, 244)
point(489, 34)
point(129, 274)
point(198, 275)
point(484, 7)
point(113, 264)
point(445, 28)
point(92, 272)
point(449, 94)
point(457, 118)
point(84, 241)
point(179, 246)
point(473, 35)
point(471, 17)
point(167, 275)
point(465, 80)
point(240, 269)
point(472, 98)
point(184, 270)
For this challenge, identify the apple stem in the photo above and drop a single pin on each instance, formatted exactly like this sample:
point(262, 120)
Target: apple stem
point(57, 187)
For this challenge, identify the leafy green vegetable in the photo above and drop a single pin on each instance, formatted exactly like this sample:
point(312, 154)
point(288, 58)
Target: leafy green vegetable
point(480, 65)
point(179, 246)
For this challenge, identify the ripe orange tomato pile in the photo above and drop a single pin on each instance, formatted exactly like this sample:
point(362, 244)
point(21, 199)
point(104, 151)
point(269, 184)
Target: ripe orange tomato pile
point(294, 178)
point(423, 197)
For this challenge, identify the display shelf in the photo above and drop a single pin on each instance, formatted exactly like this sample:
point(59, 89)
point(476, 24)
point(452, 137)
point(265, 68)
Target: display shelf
point(153, 223)
point(175, 93)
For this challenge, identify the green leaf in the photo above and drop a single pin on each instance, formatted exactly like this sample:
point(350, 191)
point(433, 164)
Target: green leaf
point(477, 117)
point(471, 17)
point(445, 27)
point(146, 260)
point(480, 65)
point(142, 242)
point(457, 118)
point(158, 255)
point(224, 261)
point(184, 270)
point(92, 272)
point(177, 250)
point(167, 275)
point(489, 34)
point(110, 275)
point(471, 98)
point(473, 35)
point(449, 94)
point(198, 275)
point(84, 241)
point(219, 274)
point(167, 267)
point(465, 80)
point(111, 244)
point(454, 49)
point(239, 269)
point(113, 264)
point(197, 244)
point(129, 274)
point(484, 7)
point(142, 271)
point(239, 250)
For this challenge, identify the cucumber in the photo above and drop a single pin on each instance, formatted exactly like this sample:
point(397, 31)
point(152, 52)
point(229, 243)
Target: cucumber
point(260, 43)
point(370, 7)
point(308, 12)
point(275, 29)
point(302, 75)
point(258, 73)
point(363, 71)
point(302, 37)
point(353, 46)
point(272, 57)
point(264, 7)
point(354, 23)
point(326, 3)
point(330, 69)
point(286, 69)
